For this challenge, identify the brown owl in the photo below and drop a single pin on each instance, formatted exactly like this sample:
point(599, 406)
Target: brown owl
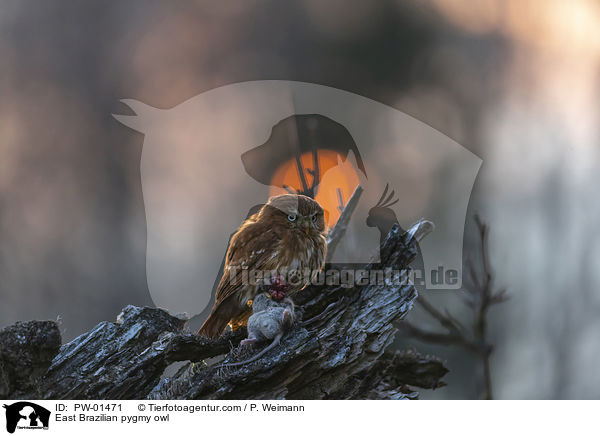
point(277, 250)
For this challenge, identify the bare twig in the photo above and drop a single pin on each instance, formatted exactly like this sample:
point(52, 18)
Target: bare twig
point(479, 295)
point(339, 230)
point(302, 177)
point(315, 171)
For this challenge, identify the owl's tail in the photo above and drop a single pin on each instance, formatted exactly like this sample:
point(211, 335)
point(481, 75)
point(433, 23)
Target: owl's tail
point(219, 317)
point(214, 325)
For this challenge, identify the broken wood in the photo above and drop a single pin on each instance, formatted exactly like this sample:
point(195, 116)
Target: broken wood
point(338, 350)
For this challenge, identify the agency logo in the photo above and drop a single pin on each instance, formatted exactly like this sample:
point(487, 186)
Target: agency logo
point(212, 161)
point(26, 415)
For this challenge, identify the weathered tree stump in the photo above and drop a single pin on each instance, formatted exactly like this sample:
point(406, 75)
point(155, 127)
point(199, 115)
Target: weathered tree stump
point(337, 350)
point(26, 352)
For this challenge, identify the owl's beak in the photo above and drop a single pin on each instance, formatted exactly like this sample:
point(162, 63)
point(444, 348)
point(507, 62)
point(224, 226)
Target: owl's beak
point(305, 225)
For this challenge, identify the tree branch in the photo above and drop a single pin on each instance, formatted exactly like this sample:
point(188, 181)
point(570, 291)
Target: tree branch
point(479, 295)
point(343, 339)
point(336, 234)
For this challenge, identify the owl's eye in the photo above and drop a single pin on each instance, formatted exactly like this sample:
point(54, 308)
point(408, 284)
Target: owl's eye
point(314, 218)
point(292, 217)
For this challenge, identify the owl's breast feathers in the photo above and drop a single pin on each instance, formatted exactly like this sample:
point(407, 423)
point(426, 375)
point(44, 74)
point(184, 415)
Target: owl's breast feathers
point(303, 255)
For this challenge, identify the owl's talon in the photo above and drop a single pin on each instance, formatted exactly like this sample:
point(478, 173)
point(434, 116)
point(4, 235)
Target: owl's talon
point(237, 325)
point(248, 341)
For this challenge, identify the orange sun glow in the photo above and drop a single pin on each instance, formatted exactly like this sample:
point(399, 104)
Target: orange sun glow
point(337, 181)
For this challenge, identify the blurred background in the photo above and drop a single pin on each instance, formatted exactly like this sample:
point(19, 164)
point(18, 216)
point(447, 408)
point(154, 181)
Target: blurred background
point(515, 82)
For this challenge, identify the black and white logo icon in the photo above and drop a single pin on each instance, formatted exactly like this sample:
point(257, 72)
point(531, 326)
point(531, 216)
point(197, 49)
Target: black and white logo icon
point(26, 415)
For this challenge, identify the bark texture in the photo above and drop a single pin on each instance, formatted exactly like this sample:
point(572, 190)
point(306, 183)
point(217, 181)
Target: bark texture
point(337, 350)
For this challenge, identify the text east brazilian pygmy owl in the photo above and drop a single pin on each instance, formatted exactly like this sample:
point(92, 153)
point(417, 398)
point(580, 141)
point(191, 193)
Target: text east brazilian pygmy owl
point(284, 243)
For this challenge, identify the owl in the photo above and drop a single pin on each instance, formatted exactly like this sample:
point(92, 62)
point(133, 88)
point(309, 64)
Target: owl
point(277, 250)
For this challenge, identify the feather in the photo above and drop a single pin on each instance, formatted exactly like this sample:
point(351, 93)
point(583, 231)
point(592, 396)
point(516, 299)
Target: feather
point(265, 242)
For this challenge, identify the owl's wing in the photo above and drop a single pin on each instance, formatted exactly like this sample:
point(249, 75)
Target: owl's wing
point(255, 246)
